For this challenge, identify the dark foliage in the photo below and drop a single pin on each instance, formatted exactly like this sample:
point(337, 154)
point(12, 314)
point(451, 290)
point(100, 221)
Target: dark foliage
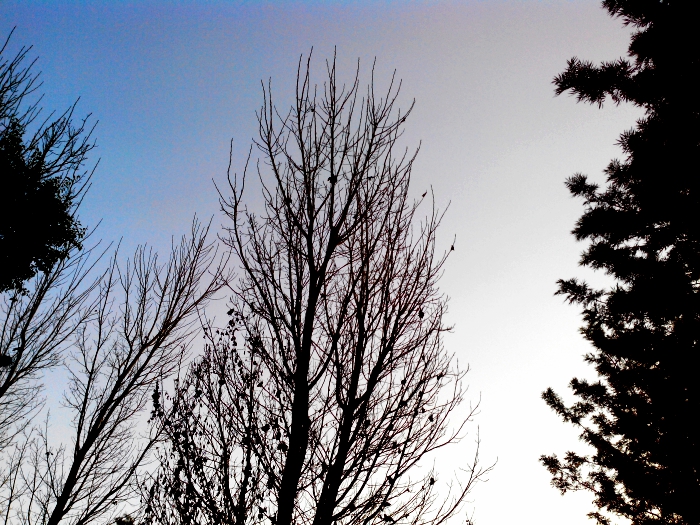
point(43, 178)
point(640, 417)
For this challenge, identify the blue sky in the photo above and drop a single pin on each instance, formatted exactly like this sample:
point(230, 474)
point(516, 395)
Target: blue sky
point(173, 83)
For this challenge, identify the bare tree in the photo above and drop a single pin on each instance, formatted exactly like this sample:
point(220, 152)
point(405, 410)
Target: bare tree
point(341, 388)
point(134, 332)
point(36, 325)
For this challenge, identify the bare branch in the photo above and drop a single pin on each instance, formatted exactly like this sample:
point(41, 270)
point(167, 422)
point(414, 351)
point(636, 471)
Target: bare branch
point(136, 331)
point(339, 387)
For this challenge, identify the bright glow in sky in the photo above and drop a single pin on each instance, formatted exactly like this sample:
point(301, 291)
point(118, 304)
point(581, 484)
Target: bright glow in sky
point(172, 83)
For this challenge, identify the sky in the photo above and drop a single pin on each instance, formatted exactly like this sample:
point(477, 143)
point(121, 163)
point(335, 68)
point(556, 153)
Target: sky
point(174, 86)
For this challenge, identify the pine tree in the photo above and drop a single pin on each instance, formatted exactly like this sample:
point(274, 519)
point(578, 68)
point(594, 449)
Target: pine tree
point(640, 416)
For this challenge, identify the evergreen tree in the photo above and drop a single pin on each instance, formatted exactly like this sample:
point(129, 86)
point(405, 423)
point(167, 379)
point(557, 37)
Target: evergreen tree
point(42, 178)
point(640, 416)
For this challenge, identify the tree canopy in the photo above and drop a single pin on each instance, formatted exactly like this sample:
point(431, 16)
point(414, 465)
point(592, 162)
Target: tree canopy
point(42, 161)
point(642, 228)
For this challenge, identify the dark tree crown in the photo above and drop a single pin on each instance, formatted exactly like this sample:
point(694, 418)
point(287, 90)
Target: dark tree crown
point(642, 229)
point(43, 178)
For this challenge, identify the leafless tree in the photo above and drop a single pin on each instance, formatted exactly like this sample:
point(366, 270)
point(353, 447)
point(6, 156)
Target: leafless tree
point(36, 325)
point(340, 387)
point(134, 331)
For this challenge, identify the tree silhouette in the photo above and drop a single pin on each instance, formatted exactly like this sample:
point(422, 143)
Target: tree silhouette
point(134, 329)
point(112, 334)
point(42, 161)
point(44, 280)
point(640, 416)
point(321, 400)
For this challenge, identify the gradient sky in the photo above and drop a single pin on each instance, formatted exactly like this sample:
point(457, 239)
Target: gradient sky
point(172, 83)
